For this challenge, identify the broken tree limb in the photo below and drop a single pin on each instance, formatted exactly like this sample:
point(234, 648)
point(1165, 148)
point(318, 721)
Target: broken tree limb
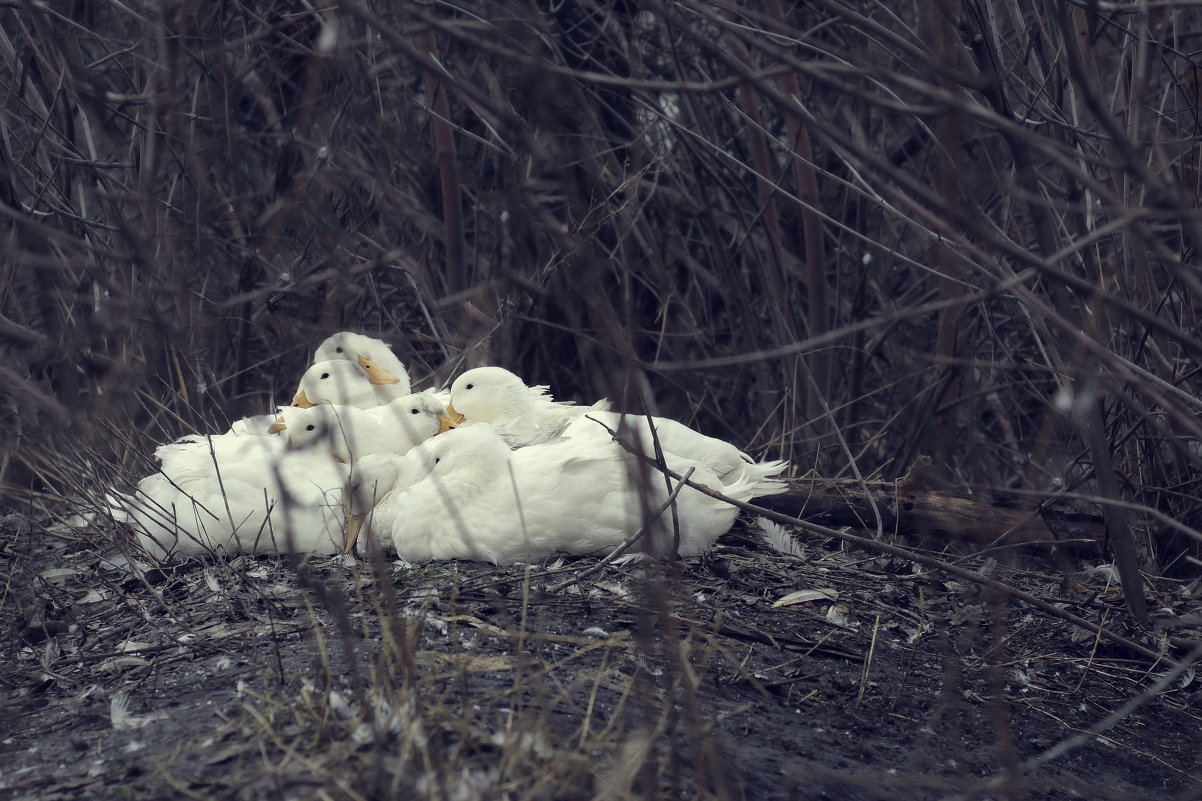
point(908, 507)
point(911, 480)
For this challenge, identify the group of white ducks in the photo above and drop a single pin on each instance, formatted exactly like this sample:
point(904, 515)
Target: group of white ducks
point(490, 470)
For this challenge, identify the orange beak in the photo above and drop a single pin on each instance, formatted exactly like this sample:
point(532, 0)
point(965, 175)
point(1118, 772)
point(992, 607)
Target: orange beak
point(277, 426)
point(456, 418)
point(301, 401)
point(376, 374)
point(445, 424)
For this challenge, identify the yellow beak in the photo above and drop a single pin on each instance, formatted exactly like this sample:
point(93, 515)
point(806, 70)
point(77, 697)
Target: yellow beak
point(278, 425)
point(376, 374)
point(456, 417)
point(445, 424)
point(353, 524)
point(301, 401)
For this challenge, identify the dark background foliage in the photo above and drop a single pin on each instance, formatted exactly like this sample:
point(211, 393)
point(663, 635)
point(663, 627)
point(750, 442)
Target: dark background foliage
point(949, 242)
point(847, 234)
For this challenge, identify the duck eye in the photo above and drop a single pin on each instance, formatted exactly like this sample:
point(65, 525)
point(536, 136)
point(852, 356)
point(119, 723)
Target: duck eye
point(338, 350)
point(437, 459)
point(324, 376)
point(469, 386)
point(310, 427)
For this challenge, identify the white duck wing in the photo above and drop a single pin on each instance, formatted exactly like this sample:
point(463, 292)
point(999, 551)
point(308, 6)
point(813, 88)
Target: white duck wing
point(258, 425)
point(596, 496)
point(239, 494)
point(732, 467)
point(580, 497)
point(522, 415)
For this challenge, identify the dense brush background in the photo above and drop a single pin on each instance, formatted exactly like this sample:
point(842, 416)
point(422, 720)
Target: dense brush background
point(851, 235)
point(952, 242)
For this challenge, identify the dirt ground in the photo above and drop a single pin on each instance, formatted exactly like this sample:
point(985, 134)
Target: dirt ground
point(752, 673)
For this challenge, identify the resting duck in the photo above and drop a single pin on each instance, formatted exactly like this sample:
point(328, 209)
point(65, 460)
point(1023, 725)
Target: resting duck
point(344, 383)
point(350, 433)
point(244, 492)
point(373, 355)
point(522, 415)
point(466, 495)
point(238, 495)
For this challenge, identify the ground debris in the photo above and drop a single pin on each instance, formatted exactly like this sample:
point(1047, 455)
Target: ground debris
point(750, 673)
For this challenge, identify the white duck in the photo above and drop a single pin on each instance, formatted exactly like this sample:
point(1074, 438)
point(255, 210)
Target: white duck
point(466, 495)
point(381, 368)
point(637, 431)
point(373, 355)
point(344, 383)
point(522, 415)
point(254, 426)
point(350, 433)
point(239, 494)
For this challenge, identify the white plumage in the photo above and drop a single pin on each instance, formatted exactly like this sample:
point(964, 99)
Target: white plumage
point(568, 487)
point(239, 494)
point(522, 415)
point(350, 433)
point(639, 432)
point(254, 426)
point(344, 383)
point(466, 495)
point(373, 355)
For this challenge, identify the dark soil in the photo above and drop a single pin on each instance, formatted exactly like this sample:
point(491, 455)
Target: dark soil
point(261, 679)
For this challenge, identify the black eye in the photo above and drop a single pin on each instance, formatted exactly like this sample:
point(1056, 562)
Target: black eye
point(436, 458)
point(414, 411)
point(325, 376)
point(469, 386)
point(310, 427)
point(338, 350)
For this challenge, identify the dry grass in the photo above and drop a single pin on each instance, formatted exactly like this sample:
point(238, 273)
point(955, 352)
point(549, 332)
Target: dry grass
point(851, 235)
point(253, 678)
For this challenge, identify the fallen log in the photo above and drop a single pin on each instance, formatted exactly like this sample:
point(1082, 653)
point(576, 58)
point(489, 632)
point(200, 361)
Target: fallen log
point(909, 507)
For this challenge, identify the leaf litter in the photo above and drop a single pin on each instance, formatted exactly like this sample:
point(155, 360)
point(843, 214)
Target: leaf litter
point(750, 673)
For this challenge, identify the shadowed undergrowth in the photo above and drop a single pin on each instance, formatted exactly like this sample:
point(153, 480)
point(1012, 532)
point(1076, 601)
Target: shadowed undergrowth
point(750, 674)
point(857, 238)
